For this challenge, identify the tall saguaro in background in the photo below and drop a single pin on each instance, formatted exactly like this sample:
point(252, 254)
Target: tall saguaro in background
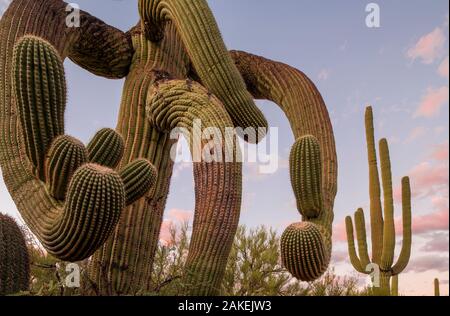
point(381, 220)
point(177, 69)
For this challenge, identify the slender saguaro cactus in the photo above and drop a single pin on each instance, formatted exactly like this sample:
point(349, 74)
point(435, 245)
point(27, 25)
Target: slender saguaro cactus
point(14, 258)
point(437, 291)
point(178, 71)
point(383, 227)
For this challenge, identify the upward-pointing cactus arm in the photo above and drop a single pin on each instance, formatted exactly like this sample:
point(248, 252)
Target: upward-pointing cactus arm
point(351, 246)
point(305, 109)
point(387, 257)
point(405, 253)
point(376, 215)
point(178, 104)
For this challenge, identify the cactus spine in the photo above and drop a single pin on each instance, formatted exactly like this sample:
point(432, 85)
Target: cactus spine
point(14, 258)
point(383, 257)
point(175, 39)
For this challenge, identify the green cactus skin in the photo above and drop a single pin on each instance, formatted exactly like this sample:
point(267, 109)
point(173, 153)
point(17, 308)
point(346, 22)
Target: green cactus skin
point(138, 177)
point(394, 285)
point(207, 51)
point(40, 92)
point(437, 291)
point(303, 251)
point(106, 148)
point(95, 197)
point(383, 257)
point(14, 258)
point(306, 177)
point(178, 40)
point(64, 157)
point(305, 109)
point(177, 103)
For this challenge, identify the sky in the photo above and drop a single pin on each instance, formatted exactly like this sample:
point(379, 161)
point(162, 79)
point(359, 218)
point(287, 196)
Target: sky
point(400, 68)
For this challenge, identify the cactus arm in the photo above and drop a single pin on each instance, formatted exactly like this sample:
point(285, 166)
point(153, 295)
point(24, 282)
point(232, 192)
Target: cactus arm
point(306, 111)
point(57, 225)
point(394, 285)
point(14, 258)
point(356, 262)
point(405, 253)
point(101, 49)
point(208, 54)
point(376, 217)
point(437, 291)
point(360, 224)
point(177, 104)
point(387, 257)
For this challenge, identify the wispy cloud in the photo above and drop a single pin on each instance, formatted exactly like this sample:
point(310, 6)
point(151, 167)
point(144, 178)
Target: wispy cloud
point(432, 102)
point(324, 74)
point(415, 134)
point(443, 68)
point(427, 263)
point(429, 47)
point(437, 242)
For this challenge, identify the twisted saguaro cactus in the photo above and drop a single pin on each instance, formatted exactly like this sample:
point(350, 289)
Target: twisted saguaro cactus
point(383, 227)
point(14, 258)
point(177, 70)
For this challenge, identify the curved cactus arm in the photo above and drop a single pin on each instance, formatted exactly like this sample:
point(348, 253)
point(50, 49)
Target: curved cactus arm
point(182, 104)
point(74, 230)
point(405, 253)
point(376, 216)
point(362, 238)
point(351, 246)
point(305, 109)
point(208, 54)
point(387, 257)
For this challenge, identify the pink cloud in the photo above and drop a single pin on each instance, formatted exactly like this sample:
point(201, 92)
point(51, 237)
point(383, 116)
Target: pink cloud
point(415, 134)
point(179, 215)
point(437, 221)
point(438, 242)
point(174, 218)
point(427, 263)
point(440, 152)
point(427, 179)
point(339, 232)
point(429, 47)
point(432, 102)
point(443, 68)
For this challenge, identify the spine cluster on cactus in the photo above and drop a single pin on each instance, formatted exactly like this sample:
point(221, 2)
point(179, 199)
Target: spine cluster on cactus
point(106, 148)
point(303, 251)
point(138, 177)
point(175, 39)
point(306, 175)
point(64, 157)
point(382, 225)
point(40, 90)
point(14, 258)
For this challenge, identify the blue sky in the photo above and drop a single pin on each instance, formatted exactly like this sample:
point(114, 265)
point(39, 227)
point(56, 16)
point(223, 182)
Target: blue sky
point(398, 68)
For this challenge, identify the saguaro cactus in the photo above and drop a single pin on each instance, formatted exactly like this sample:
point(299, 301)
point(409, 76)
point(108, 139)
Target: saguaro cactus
point(177, 70)
point(383, 227)
point(437, 291)
point(14, 258)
